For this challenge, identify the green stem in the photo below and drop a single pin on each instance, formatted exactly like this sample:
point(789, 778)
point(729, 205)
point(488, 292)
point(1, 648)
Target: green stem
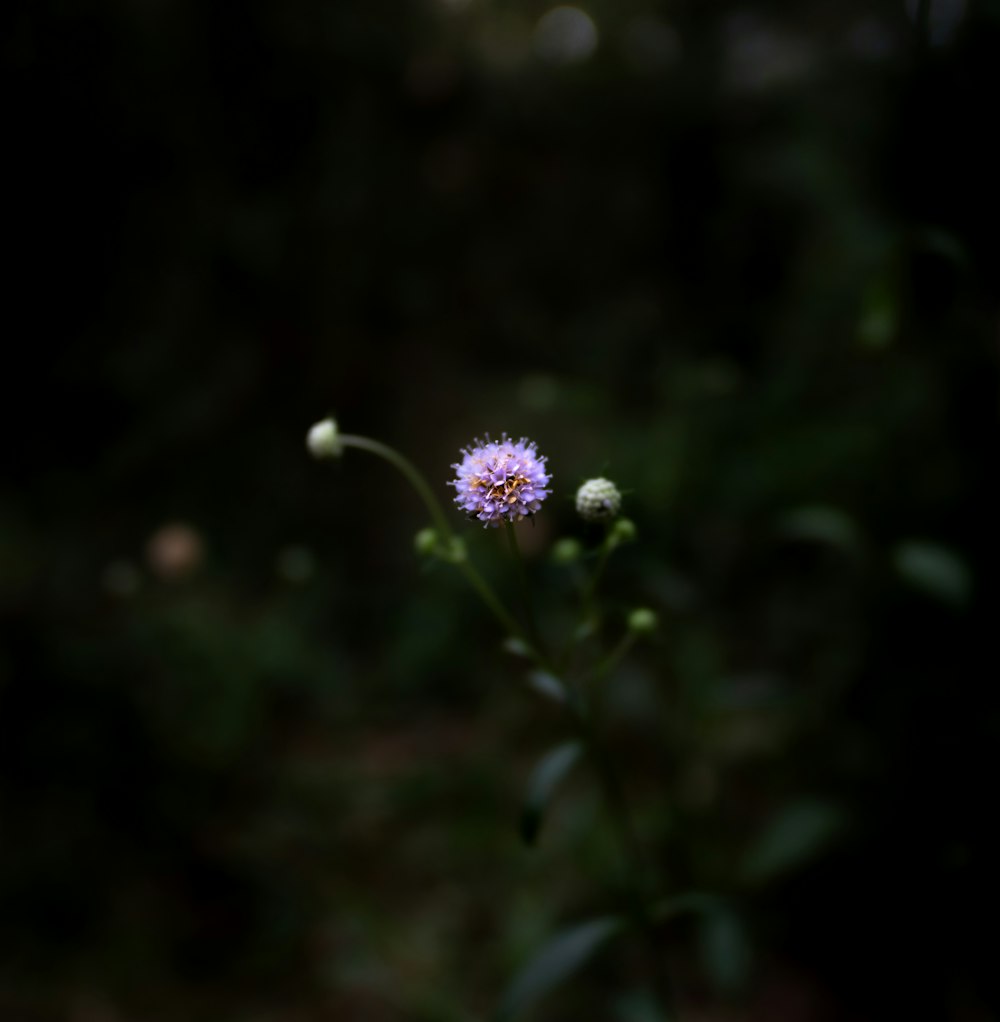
point(529, 603)
point(590, 593)
point(491, 600)
point(590, 616)
point(612, 659)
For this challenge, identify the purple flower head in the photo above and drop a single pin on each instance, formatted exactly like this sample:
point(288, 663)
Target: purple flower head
point(500, 480)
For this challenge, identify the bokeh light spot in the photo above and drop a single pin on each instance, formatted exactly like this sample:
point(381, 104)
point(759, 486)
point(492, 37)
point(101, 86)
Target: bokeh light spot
point(565, 35)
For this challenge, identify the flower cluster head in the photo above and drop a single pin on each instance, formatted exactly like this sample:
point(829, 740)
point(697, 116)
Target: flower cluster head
point(598, 500)
point(500, 481)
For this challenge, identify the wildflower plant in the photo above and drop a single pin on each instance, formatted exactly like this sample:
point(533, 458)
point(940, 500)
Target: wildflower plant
point(505, 483)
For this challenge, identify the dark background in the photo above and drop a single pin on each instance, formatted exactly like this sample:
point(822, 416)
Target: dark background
point(256, 761)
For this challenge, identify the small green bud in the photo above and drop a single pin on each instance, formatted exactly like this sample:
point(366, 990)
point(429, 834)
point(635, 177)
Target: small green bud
point(430, 543)
point(642, 621)
point(323, 440)
point(598, 500)
point(566, 551)
point(455, 551)
point(425, 542)
point(623, 531)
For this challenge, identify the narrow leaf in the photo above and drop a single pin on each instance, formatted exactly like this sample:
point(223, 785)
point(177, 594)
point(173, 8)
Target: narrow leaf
point(551, 769)
point(935, 570)
point(795, 835)
point(563, 955)
point(821, 524)
point(517, 647)
point(548, 685)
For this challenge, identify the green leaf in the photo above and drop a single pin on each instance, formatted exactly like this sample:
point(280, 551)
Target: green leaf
point(821, 524)
point(934, 570)
point(517, 647)
point(638, 1006)
point(724, 948)
point(551, 769)
point(563, 955)
point(548, 685)
point(796, 834)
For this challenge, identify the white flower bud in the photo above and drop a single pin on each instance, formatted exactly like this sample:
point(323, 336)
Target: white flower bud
point(598, 500)
point(323, 440)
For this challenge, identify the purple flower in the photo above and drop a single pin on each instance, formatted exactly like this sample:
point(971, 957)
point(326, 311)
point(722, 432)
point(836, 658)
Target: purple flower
point(500, 480)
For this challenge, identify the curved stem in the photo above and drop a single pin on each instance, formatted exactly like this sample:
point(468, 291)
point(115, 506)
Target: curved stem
point(501, 613)
point(412, 473)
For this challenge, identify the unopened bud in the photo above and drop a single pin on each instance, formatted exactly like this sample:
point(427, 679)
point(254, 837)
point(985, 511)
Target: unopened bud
point(642, 621)
point(323, 440)
point(598, 500)
point(566, 551)
point(623, 531)
point(426, 542)
point(455, 551)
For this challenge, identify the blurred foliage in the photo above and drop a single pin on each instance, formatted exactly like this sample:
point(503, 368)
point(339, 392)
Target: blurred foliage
point(256, 762)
